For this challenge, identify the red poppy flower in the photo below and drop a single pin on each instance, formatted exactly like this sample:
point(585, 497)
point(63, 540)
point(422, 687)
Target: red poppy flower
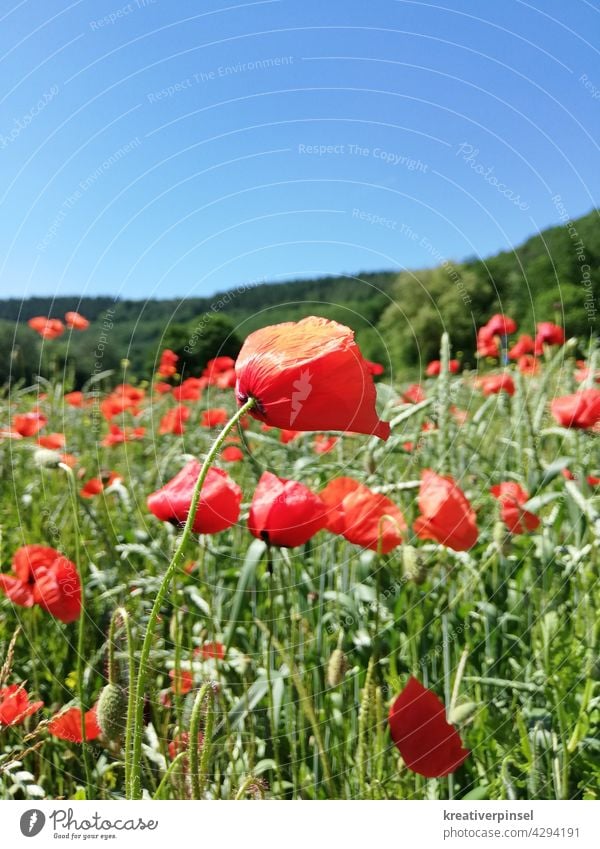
point(308, 375)
point(116, 435)
point(376, 369)
point(593, 480)
point(511, 497)
point(487, 344)
point(190, 389)
point(91, 488)
point(44, 576)
point(174, 421)
point(219, 505)
point(217, 367)
point(211, 650)
point(322, 443)
point(74, 399)
point(226, 380)
point(524, 345)
point(53, 441)
point(548, 334)
point(162, 388)
point(435, 367)
point(182, 683)
point(94, 486)
point(501, 325)
point(286, 436)
point(48, 328)
point(213, 418)
point(581, 410)
point(492, 384)
point(28, 424)
point(76, 321)
point(168, 363)
point(15, 706)
point(284, 512)
point(414, 394)
point(124, 397)
point(362, 516)
point(528, 364)
point(446, 515)
point(429, 745)
point(232, 454)
point(67, 725)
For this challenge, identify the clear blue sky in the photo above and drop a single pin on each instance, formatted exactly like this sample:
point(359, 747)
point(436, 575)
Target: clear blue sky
point(180, 148)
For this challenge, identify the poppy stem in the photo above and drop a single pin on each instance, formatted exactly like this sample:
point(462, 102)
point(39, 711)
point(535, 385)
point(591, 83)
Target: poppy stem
point(134, 791)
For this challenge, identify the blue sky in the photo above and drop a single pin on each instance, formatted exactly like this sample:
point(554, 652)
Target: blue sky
point(180, 148)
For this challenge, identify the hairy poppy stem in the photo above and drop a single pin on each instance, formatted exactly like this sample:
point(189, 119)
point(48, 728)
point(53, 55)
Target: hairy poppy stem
point(199, 765)
point(120, 617)
point(135, 789)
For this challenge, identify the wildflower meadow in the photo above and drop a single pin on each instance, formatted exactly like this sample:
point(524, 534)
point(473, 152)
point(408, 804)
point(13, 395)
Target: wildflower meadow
point(292, 574)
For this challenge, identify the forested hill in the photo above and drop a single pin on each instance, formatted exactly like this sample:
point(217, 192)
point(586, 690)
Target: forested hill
point(553, 276)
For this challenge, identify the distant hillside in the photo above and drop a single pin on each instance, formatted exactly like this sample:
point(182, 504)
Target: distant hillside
point(397, 315)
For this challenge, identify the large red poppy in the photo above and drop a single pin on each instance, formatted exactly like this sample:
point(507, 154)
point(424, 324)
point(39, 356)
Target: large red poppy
point(219, 505)
point(67, 725)
point(581, 410)
point(429, 745)
point(308, 375)
point(285, 512)
point(362, 516)
point(446, 515)
point(511, 497)
point(15, 706)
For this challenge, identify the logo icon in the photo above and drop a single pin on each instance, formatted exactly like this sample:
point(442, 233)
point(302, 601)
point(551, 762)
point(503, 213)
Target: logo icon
point(32, 822)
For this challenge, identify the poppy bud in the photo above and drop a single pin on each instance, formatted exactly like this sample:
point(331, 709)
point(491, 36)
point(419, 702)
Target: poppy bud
point(336, 668)
point(112, 711)
point(414, 567)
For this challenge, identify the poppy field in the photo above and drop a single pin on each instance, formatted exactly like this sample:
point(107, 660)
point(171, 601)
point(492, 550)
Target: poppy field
point(291, 576)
